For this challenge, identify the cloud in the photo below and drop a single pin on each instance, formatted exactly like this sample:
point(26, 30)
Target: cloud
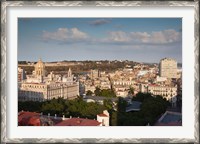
point(119, 36)
point(65, 35)
point(74, 35)
point(99, 22)
point(155, 37)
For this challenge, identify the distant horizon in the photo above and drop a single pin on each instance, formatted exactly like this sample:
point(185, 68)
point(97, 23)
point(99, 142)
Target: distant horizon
point(145, 40)
point(89, 60)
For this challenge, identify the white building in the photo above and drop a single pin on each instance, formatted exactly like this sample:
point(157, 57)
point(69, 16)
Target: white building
point(21, 74)
point(168, 68)
point(161, 79)
point(168, 92)
point(94, 74)
point(38, 87)
point(121, 91)
point(103, 118)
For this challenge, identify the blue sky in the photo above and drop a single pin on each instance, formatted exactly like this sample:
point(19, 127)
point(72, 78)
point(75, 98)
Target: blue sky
point(137, 39)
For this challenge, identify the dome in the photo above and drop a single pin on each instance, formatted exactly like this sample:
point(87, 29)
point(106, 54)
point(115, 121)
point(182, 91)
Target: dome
point(40, 64)
point(40, 68)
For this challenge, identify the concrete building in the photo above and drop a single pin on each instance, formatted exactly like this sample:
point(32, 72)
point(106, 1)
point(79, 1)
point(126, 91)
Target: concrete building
point(21, 74)
point(168, 68)
point(103, 118)
point(39, 87)
point(40, 68)
point(94, 74)
point(168, 92)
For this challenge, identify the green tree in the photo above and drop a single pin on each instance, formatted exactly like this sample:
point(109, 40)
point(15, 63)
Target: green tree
point(131, 91)
point(141, 96)
point(113, 118)
point(97, 91)
point(89, 92)
point(107, 93)
point(108, 104)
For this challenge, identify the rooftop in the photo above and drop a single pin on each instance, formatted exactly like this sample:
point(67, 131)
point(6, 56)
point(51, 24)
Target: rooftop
point(78, 122)
point(170, 119)
point(102, 115)
point(134, 106)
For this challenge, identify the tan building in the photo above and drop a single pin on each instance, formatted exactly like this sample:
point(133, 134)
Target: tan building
point(40, 68)
point(94, 74)
point(168, 92)
point(21, 74)
point(168, 68)
point(38, 87)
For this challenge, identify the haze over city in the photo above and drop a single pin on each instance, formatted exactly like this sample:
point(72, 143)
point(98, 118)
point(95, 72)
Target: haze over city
point(136, 39)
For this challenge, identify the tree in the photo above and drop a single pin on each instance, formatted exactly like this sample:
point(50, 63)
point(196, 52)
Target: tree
point(113, 118)
point(30, 106)
point(54, 106)
point(131, 91)
point(108, 104)
point(121, 105)
point(107, 93)
point(141, 96)
point(89, 92)
point(97, 91)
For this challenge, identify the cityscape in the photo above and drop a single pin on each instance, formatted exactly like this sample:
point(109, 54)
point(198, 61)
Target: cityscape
point(131, 78)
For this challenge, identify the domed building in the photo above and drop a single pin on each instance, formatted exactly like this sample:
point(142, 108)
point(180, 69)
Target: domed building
point(40, 68)
point(39, 87)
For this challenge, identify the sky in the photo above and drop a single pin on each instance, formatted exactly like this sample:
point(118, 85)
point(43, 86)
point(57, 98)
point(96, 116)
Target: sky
point(135, 39)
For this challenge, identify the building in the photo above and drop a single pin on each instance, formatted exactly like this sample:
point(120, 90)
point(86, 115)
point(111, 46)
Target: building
point(170, 119)
point(133, 106)
point(168, 68)
point(79, 122)
point(94, 74)
point(34, 119)
point(91, 88)
point(168, 92)
point(103, 118)
point(38, 119)
point(21, 74)
point(40, 68)
point(39, 87)
point(99, 99)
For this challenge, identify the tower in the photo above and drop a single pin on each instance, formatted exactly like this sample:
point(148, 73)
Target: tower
point(40, 68)
point(168, 68)
point(69, 74)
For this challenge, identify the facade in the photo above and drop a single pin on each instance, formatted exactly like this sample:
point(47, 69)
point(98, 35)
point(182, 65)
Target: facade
point(123, 82)
point(168, 92)
point(103, 118)
point(168, 68)
point(21, 74)
point(89, 88)
point(94, 74)
point(39, 87)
